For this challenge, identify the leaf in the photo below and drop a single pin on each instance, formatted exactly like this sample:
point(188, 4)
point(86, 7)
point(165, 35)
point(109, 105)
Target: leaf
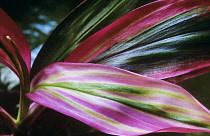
point(8, 28)
point(171, 57)
point(88, 18)
point(116, 101)
point(5, 59)
point(143, 41)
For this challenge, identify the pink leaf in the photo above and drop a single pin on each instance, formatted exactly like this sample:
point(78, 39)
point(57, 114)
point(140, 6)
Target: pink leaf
point(9, 28)
point(116, 101)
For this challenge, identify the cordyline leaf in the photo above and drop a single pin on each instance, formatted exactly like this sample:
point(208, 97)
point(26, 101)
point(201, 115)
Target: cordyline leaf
point(5, 59)
point(88, 18)
point(161, 40)
point(116, 101)
point(10, 36)
point(15, 53)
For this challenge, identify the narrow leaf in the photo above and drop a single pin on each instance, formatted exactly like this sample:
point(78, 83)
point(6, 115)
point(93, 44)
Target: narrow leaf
point(137, 41)
point(8, 28)
point(116, 101)
point(15, 53)
point(88, 18)
point(5, 59)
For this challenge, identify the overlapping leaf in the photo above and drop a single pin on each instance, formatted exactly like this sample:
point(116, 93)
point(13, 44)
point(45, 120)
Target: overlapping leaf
point(4, 59)
point(116, 101)
point(86, 19)
point(163, 39)
point(10, 31)
point(15, 53)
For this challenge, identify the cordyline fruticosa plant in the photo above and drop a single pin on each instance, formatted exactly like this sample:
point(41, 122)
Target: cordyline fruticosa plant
point(115, 76)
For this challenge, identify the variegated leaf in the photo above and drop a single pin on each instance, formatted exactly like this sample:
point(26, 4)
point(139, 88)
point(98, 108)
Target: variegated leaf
point(164, 39)
point(116, 101)
point(87, 18)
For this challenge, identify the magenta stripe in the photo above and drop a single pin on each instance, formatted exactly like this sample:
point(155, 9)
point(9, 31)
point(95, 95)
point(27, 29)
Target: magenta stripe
point(88, 98)
point(63, 107)
point(133, 114)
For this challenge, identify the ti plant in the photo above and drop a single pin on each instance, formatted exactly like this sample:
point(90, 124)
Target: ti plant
point(113, 70)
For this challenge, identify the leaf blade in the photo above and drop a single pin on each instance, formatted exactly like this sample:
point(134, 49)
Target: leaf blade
point(9, 28)
point(119, 100)
point(89, 17)
point(179, 18)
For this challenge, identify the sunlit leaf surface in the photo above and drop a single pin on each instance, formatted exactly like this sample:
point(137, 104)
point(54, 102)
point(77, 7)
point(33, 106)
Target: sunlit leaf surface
point(116, 101)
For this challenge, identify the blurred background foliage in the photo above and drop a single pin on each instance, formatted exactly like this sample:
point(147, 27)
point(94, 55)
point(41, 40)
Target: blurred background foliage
point(36, 19)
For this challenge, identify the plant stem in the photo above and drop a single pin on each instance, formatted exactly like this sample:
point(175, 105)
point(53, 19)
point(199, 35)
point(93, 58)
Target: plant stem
point(24, 77)
point(24, 102)
point(24, 105)
point(33, 114)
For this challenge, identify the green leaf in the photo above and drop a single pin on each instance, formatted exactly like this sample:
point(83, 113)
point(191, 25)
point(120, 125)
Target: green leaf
point(86, 19)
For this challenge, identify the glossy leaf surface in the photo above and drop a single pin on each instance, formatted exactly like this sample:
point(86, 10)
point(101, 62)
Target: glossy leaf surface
point(86, 19)
point(116, 101)
point(163, 39)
